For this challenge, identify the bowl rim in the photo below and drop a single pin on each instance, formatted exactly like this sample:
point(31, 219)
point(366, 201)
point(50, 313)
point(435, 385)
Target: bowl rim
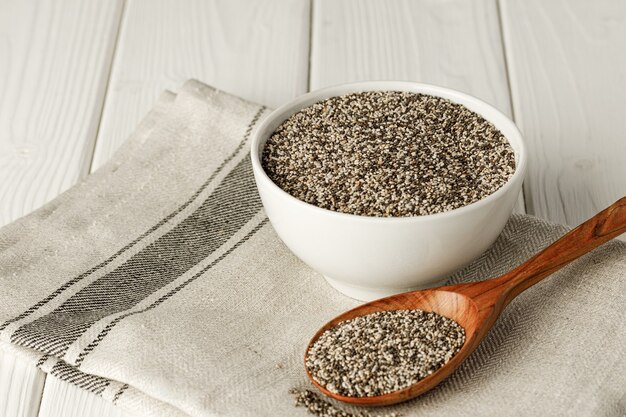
point(315, 96)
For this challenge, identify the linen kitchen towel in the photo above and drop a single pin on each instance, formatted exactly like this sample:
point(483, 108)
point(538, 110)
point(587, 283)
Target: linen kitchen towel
point(158, 284)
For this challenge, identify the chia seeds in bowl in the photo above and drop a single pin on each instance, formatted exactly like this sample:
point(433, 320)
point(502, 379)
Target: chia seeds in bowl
point(388, 154)
point(373, 228)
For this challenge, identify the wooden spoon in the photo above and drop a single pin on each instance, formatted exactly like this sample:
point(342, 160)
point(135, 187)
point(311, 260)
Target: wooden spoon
point(477, 305)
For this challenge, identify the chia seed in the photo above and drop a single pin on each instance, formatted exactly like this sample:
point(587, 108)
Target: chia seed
point(388, 154)
point(322, 408)
point(383, 352)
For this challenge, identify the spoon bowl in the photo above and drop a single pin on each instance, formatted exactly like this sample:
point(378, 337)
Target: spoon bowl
point(450, 304)
point(475, 306)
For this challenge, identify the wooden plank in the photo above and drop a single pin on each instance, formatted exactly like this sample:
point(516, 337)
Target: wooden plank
point(258, 50)
point(455, 44)
point(55, 57)
point(568, 78)
point(65, 400)
point(21, 385)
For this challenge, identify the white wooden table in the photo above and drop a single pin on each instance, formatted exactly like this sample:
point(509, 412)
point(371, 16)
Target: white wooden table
point(76, 76)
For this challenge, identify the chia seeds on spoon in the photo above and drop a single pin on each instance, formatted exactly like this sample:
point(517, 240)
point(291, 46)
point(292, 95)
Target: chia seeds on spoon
point(383, 352)
point(388, 153)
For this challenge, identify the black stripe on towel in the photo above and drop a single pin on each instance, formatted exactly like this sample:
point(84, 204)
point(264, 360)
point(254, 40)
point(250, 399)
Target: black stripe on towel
point(91, 383)
point(103, 264)
point(231, 205)
point(119, 393)
point(109, 327)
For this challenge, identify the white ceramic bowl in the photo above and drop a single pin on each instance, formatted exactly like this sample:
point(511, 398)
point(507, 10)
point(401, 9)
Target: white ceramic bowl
point(372, 257)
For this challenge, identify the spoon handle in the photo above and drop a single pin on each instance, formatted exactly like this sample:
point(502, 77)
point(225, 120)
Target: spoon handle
point(604, 226)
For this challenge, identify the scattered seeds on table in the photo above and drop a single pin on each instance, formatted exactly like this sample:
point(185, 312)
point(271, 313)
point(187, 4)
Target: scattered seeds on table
point(383, 352)
point(322, 408)
point(388, 154)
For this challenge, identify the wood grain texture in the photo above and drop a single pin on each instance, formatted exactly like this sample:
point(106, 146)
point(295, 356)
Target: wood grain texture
point(258, 50)
point(55, 57)
point(454, 43)
point(54, 63)
point(568, 77)
point(62, 399)
point(21, 386)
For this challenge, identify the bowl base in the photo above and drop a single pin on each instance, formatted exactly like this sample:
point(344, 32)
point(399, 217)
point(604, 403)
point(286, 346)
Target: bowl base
point(371, 294)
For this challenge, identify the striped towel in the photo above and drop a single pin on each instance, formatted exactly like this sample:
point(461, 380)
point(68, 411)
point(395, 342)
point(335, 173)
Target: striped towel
point(158, 284)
